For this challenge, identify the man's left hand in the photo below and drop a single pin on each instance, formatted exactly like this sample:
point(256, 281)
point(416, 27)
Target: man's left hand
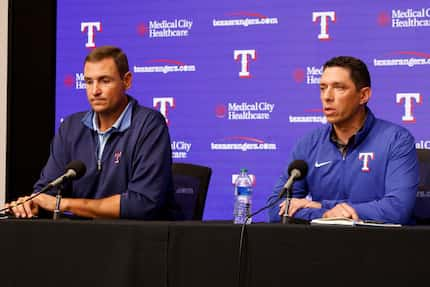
point(342, 210)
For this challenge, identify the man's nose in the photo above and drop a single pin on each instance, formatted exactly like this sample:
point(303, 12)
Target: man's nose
point(327, 94)
point(95, 88)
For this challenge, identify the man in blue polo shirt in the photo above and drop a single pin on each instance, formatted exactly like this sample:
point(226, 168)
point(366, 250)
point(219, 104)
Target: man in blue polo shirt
point(360, 167)
point(124, 146)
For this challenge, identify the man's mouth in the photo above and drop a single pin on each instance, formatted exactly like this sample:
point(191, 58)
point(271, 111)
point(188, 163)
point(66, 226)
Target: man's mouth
point(329, 111)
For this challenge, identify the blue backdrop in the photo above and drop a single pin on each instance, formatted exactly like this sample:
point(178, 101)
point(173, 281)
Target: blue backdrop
point(237, 80)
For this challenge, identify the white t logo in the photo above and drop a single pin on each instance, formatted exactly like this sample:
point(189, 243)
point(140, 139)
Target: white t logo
point(323, 35)
point(162, 104)
point(90, 33)
point(408, 116)
point(244, 72)
point(365, 157)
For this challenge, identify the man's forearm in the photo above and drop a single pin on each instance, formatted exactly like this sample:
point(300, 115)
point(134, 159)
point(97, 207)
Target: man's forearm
point(108, 207)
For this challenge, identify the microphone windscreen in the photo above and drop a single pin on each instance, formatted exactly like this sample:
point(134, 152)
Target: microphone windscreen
point(78, 166)
point(300, 165)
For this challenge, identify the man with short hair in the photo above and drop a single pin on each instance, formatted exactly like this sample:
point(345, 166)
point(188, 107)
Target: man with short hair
point(360, 167)
point(124, 146)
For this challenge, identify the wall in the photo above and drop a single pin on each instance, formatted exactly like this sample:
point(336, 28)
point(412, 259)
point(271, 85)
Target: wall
point(3, 96)
point(31, 93)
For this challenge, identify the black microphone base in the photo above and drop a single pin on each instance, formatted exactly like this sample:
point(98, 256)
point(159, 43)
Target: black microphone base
point(292, 220)
point(286, 220)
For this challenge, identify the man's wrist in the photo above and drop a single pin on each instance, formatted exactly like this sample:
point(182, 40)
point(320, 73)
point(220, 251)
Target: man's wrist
point(65, 204)
point(316, 204)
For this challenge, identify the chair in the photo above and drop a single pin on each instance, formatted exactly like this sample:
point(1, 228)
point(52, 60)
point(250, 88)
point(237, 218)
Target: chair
point(422, 205)
point(191, 183)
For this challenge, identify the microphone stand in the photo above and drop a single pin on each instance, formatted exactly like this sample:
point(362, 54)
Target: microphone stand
point(57, 212)
point(286, 218)
point(243, 239)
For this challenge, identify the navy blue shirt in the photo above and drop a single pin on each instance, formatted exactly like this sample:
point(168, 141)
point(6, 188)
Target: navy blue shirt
point(136, 163)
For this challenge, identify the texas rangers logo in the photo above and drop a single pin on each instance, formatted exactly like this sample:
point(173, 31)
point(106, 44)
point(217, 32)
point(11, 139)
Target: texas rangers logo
point(244, 56)
point(117, 157)
point(407, 98)
point(366, 157)
point(90, 28)
point(162, 104)
point(324, 16)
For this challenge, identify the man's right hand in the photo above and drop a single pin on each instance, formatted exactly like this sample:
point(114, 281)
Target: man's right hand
point(296, 204)
point(22, 208)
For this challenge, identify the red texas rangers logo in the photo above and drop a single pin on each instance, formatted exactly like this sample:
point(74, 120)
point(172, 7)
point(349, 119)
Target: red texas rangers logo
point(117, 156)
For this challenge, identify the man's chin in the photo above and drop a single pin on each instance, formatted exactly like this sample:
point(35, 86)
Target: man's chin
point(98, 108)
point(331, 120)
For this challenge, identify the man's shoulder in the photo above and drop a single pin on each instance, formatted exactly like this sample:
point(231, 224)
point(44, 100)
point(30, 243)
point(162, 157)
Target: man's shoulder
point(316, 135)
point(392, 137)
point(74, 118)
point(139, 109)
point(389, 129)
point(310, 140)
point(389, 124)
point(143, 113)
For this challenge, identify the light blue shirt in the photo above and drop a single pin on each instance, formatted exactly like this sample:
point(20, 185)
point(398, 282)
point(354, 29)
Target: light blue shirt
point(121, 124)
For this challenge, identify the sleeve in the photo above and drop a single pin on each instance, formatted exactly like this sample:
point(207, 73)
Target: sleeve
point(150, 188)
point(401, 182)
point(300, 190)
point(330, 203)
point(310, 213)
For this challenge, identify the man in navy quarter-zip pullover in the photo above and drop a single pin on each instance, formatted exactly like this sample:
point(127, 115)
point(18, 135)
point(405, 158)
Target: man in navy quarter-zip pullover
point(124, 146)
point(360, 167)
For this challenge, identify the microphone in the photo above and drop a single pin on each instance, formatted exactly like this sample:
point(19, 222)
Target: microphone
point(74, 170)
point(296, 171)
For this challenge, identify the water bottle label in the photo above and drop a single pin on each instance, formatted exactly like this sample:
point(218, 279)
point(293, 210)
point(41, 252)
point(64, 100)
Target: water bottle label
point(243, 190)
point(242, 209)
point(244, 201)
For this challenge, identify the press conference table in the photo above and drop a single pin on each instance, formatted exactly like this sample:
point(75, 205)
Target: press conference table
point(68, 252)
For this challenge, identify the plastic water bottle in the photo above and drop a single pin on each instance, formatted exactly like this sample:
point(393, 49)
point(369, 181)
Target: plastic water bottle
point(243, 195)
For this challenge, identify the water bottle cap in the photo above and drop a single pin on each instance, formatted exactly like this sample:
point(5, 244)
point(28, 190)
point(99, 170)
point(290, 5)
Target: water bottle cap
point(243, 170)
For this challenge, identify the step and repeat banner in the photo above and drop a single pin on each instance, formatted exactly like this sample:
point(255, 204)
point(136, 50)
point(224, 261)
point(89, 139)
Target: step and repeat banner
point(238, 80)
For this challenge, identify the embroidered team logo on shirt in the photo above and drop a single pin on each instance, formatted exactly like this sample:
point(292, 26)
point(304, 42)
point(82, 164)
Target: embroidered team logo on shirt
point(117, 156)
point(366, 157)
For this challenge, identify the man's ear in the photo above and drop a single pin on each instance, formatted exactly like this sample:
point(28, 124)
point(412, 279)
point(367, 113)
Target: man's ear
point(365, 94)
point(127, 80)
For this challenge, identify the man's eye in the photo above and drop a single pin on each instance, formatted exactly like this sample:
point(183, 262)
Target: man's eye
point(88, 82)
point(106, 81)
